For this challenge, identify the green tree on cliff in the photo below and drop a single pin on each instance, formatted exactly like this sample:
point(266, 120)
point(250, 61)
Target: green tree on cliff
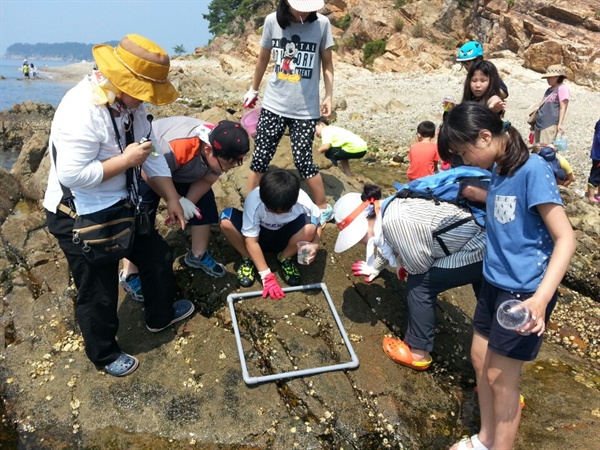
point(227, 16)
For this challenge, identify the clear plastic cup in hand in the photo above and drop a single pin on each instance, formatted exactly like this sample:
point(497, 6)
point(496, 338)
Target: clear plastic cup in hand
point(512, 315)
point(305, 248)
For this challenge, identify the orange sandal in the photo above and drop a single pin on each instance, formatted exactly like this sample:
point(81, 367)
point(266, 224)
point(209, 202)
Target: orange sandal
point(399, 352)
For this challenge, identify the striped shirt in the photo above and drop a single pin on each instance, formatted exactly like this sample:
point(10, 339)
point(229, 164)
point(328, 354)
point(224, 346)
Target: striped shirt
point(408, 226)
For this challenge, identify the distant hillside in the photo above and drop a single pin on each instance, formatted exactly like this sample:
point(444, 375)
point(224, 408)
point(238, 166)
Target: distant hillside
point(65, 51)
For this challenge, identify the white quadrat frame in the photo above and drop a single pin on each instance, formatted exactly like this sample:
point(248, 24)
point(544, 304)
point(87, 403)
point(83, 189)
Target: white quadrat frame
point(352, 364)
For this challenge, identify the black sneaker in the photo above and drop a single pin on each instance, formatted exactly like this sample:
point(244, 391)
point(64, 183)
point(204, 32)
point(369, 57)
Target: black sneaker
point(290, 272)
point(246, 273)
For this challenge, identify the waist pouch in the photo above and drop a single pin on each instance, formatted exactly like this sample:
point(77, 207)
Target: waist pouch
point(106, 236)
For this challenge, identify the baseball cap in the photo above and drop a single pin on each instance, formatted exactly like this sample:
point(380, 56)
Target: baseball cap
point(229, 139)
point(352, 230)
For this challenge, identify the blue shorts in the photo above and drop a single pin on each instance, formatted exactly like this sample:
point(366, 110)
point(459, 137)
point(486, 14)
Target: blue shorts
point(270, 241)
point(500, 340)
point(594, 178)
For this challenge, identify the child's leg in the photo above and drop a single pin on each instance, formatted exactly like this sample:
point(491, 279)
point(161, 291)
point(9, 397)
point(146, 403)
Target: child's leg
point(315, 184)
point(345, 167)
point(306, 233)
point(228, 224)
point(302, 134)
point(268, 134)
point(485, 397)
point(200, 237)
point(503, 375)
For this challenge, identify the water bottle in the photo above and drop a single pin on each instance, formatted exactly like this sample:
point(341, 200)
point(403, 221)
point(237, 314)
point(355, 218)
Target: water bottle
point(512, 316)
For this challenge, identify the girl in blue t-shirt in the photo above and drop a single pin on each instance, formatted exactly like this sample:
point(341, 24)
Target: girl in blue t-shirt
point(529, 246)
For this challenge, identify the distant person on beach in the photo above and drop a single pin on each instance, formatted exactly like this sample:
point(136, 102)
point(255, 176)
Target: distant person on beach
point(472, 52)
point(483, 85)
point(277, 215)
point(529, 245)
point(34, 72)
point(553, 107)
point(300, 41)
point(26, 70)
point(593, 188)
point(423, 155)
point(197, 153)
point(339, 145)
point(94, 141)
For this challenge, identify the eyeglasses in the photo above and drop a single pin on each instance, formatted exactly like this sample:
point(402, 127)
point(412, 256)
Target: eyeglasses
point(231, 163)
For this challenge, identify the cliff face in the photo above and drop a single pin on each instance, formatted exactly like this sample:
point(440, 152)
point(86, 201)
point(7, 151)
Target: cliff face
point(424, 34)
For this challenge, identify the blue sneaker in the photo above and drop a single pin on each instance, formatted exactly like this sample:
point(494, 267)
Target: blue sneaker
point(326, 215)
point(123, 365)
point(205, 262)
point(132, 286)
point(181, 310)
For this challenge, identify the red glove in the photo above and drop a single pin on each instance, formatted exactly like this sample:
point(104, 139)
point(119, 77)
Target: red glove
point(271, 287)
point(402, 274)
point(250, 98)
point(361, 268)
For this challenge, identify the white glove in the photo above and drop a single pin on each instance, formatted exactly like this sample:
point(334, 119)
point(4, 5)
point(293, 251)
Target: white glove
point(189, 209)
point(361, 268)
point(250, 98)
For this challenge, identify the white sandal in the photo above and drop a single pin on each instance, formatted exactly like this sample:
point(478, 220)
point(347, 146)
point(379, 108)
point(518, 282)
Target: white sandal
point(475, 442)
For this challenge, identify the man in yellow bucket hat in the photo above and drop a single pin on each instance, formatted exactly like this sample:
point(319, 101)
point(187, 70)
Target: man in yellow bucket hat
point(95, 139)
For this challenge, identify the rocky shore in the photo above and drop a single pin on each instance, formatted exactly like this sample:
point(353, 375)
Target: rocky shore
point(189, 393)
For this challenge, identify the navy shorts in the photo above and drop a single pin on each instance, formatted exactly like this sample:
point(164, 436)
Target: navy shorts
point(270, 241)
point(340, 154)
point(500, 340)
point(594, 179)
point(207, 204)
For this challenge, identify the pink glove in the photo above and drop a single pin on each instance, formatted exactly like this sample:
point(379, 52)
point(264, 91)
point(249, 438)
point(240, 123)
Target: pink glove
point(250, 98)
point(402, 274)
point(271, 287)
point(361, 268)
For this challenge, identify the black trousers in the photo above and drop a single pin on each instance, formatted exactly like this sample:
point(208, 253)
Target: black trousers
point(98, 288)
point(423, 290)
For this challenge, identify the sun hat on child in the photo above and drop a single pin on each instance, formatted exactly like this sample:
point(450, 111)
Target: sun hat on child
point(555, 70)
point(306, 5)
point(138, 67)
point(350, 232)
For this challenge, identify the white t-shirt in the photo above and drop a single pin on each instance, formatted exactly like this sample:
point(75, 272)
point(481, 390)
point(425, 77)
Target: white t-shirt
point(256, 214)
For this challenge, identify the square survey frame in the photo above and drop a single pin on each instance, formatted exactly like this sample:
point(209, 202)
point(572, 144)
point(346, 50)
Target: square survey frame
point(352, 364)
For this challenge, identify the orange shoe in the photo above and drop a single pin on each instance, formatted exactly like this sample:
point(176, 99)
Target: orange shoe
point(399, 352)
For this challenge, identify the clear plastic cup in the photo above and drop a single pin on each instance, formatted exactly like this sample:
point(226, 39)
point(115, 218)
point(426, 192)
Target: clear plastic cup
point(304, 250)
point(511, 316)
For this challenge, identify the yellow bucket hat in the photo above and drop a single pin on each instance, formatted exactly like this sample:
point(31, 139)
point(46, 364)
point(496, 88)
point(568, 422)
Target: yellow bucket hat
point(137, 67)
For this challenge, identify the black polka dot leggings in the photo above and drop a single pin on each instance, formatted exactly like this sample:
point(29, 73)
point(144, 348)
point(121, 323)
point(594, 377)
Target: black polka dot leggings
point(269, 132)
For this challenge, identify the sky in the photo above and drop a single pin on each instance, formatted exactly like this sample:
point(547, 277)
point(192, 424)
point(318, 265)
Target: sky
point(167, 22)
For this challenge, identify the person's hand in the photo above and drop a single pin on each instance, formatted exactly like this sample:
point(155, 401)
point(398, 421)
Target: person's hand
point(271, 287)
point(537, 321)
point(189, 209)
point(326, 108)
point(175, 212)
point(250, 98)
point(135, 154)
point(361, 268)
point(496, 104)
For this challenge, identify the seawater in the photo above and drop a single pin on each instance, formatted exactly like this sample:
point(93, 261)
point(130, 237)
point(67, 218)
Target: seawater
point(16, 89)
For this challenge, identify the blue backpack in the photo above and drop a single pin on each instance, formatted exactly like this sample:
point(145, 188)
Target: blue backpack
point(446, 186)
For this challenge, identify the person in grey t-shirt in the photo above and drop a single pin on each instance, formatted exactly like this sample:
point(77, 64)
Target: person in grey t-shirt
point(300, 41)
